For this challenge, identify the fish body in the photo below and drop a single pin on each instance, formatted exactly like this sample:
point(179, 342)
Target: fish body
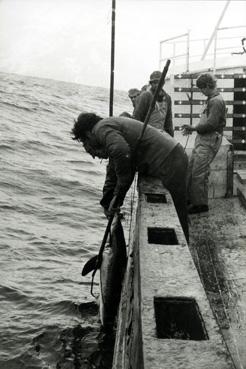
point(111, 273)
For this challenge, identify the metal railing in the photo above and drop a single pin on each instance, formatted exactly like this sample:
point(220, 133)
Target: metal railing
point(184, 50)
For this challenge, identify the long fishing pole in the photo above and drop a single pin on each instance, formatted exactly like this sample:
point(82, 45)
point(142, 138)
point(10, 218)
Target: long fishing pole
point(111, 95)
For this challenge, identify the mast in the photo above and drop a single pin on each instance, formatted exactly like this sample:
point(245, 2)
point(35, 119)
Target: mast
point(111, 96)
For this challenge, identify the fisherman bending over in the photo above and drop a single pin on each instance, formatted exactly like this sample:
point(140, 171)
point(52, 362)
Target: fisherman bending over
point(161, 117)
point(158, 155)
point(207, 143)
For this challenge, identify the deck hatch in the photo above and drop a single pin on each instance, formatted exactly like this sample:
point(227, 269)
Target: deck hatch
point(179, 318)
point(162, 236)
point(156, 198)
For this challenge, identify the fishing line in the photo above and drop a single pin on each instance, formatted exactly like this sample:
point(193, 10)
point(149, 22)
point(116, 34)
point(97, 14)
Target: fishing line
point(190, 98)
point(187, 140)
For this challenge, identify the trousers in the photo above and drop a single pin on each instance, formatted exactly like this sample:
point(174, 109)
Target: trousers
point(205, 149)
point(173, 177)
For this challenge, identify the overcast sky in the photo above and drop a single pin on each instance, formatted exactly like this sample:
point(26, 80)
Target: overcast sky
point(70, 39)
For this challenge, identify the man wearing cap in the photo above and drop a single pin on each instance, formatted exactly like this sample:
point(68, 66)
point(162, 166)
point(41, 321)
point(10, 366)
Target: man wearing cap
point(161, 117)
point(133, 93)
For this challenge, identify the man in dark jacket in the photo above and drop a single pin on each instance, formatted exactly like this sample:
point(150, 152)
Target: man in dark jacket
point(161, 116)
point(158, 155)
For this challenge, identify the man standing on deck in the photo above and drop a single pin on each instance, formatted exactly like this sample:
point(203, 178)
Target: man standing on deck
point(133, 94)
point(161, 116)
point(208, 140)
point(158, 155)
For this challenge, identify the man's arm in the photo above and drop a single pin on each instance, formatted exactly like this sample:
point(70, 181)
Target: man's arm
point(120, 172)
point(109, 186)
point(210, 121)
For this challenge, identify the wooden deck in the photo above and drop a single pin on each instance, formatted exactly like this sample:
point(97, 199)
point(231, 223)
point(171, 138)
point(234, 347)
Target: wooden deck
point(218, 247)
point(162, 278)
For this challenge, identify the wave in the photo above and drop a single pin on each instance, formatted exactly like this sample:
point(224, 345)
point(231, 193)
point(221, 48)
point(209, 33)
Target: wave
point(12, 294)
point(51, 223)
point(4, 147)
point(17, 106)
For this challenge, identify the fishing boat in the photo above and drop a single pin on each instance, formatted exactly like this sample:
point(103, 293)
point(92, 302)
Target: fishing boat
point(184, 306)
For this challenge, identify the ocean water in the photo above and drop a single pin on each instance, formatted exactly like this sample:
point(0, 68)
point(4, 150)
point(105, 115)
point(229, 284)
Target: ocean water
point(51, 224)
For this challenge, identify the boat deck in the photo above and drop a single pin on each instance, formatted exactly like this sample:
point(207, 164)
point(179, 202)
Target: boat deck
point(218, 245)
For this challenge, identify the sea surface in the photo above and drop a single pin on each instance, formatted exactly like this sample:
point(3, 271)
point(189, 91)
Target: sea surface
point(51, 223)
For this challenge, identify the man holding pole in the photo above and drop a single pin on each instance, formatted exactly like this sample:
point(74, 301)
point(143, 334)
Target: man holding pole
point(161, 116)
point(153, 154)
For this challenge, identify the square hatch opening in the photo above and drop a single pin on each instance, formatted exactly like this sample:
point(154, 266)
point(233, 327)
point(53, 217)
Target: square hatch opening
point(162, 236)
point(179, 318)
point(156, 198)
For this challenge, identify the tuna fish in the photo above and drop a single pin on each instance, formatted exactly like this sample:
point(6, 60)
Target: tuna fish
point(111, 273)
point(111, 260)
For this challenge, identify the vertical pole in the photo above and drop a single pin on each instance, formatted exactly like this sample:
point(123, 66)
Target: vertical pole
point(174, 53)
point(111, 96)
point(188, 51)
point(191, 100)
point(160, 58)
point(215, 50)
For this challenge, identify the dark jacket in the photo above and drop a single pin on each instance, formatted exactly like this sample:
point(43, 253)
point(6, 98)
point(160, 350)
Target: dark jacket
point(213, 118)
point(119, 136)
point(161, 117)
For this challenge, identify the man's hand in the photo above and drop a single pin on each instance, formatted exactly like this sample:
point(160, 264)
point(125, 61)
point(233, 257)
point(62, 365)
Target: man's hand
point(187, 129)
point(112, 209)
point(109, 212)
